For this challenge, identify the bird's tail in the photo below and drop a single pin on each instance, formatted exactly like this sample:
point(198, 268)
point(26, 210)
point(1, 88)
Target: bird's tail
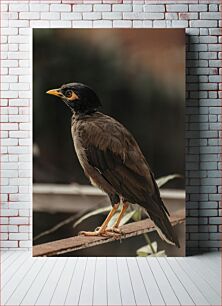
point(163, 226)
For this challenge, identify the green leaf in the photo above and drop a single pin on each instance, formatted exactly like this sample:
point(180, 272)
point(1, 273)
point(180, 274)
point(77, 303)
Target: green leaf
point(127, 217)
point(113, 220)
point(92, 213)
point(164, 179)
point(137, 214)
point(146, 250)
point(124, 219)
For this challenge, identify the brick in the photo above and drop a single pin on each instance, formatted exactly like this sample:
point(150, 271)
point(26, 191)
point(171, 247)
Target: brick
point(18, 23)
point(171, 16)
point(187, 16)
point(82, 23)
point(9, 126)
point(135, 15)
point(213, 7)
point(13, 158)
point(122, 7)
point(51, 16)
point(60, 7)
point(20, 71)
point(122, 23)
point(177, 8)
point(9, 63)
point(207, 55)
point(36, 7)
point(9, 173)
point(9, 94)
point(71, 16)
point(180, 23)
point(215, 236)
point(162, 23)
point(216, 31)
point(9, 244)
point(215, 220)
point(29, 15)
point(210, 157)
point(210, 181)
point(208, 165)
point(4, 7)
point(208, 16)
point(82, 8)
point(208, 39)
point(19, 220)
point(147, 23)
point(203, 23)
point(24, 229)
point(208, 86)
point(215, 63)
point(102, 24)
point(93, 15)
point(18, 7)
point(215, 78)
point(137, 7)
point(208, 205)
point(25, 31)
point(18, 150)
point(24, 213)
point(154, 8)
point(39, 24)
point(212, 228)
point(197, 7)
point(19, 102)
point(60, 24)
point(4, 220)
point(138, 23)
point(19, 118)
point(9, 31)
point(25, 244)
point(18, 236)
point(112, 15)
point(199, 236)
point(9, 142)
point(18, 55)
point(9, 212)
point(212, 94)
point(102, 7)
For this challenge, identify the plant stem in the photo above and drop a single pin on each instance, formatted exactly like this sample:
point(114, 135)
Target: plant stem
point(149, 243)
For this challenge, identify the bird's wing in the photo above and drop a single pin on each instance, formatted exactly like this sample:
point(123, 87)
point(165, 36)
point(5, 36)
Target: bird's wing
point(113, 151)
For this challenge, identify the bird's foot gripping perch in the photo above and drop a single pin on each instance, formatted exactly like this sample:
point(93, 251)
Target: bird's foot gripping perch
point(109, 232)
point(102, 230)
point(105, 233)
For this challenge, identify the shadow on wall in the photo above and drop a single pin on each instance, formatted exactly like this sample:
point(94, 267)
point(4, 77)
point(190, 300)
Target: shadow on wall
point(195, 223)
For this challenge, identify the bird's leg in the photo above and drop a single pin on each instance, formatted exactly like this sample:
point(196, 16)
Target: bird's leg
point(115, 227)
point(102, 229)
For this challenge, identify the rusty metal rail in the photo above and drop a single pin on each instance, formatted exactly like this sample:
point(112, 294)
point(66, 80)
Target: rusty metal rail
point(81, 242)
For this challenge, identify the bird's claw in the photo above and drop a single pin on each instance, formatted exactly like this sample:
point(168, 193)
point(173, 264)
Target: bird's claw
point(115, 230)
point(110, 232)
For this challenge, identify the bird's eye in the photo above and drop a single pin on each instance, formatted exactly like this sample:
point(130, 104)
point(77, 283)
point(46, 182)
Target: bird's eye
point(69, 93)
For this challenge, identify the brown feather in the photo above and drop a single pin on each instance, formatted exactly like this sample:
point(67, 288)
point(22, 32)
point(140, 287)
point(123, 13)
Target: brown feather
point(112, 159)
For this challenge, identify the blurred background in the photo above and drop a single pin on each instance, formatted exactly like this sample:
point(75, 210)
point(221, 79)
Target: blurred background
point(139, 76)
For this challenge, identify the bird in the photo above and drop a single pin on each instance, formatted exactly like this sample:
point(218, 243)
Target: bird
point(113, 161)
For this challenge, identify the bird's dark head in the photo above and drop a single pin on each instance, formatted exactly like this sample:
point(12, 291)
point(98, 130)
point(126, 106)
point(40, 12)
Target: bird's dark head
point(80, 98)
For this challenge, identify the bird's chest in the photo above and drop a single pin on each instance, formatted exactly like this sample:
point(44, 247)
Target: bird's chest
point(79, 148)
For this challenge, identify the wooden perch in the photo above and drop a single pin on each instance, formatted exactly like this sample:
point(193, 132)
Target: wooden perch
point(81, 242)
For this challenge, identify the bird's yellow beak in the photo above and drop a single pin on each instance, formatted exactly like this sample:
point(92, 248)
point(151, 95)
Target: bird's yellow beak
point(55, 92)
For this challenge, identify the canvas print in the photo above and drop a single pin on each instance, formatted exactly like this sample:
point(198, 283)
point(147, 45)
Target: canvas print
point(108, 142)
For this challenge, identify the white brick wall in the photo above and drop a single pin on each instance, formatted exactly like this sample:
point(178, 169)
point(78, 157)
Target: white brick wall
point(201, 20)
